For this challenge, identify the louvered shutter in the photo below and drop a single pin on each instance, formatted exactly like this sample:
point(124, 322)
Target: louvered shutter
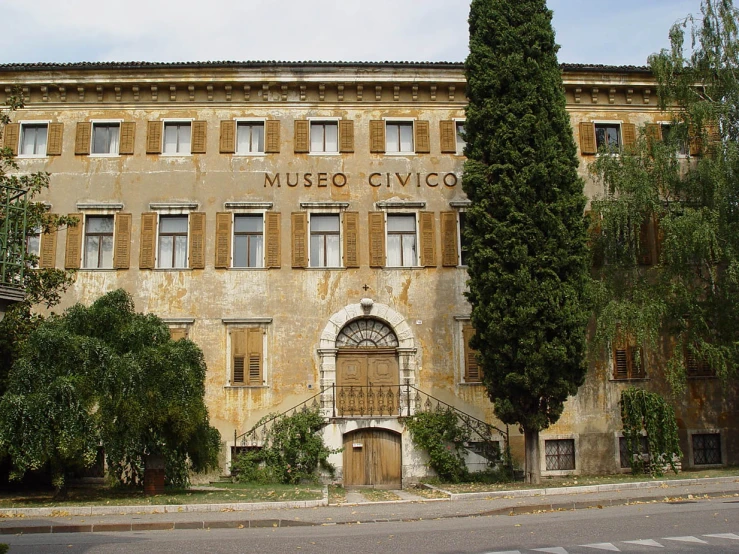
point(659, 239)
point(238, 356)
point(351, 239)
point(428, 239)
point(197, 240)
point(377, 238)
point(254, 355)
point(177, 333)
point(377, 136)
point(54, 140)
point(694, 141)
point(273, 237)
point(471, 366)
point(423, 142)
point(223, 240)
point(621, 361)
point(11, 136)
point(154, 137)
point(449, 246)
point(629, 134)
point(227, 140)
point(82, 138)
point(147, 253)
point(299, 239)
point(653, 133)
point(346, 136)
point(302, 136)
point(128, 138)
point(448, 136)
point(122, 249)
point(199, 137)
point(636, 359)
point(47, 255)
point(272, 137)
point(73, 251)
point(645, 244)
point(587, 138)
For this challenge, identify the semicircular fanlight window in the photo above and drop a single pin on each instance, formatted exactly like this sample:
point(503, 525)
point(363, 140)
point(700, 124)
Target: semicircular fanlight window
point(366, 333)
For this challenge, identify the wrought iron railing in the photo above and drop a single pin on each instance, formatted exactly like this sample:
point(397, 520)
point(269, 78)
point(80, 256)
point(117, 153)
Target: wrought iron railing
point(13, 227)
point(377, 400)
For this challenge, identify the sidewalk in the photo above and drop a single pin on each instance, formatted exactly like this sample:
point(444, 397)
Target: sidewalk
point(460, 505)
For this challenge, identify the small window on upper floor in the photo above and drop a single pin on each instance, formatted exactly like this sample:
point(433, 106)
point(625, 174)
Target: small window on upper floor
point(98, 243)
point(33, 140)
point(105, 138)
point(248, 249)
point(459, 133)
point(608, 136)
point(324, 137)
point(177, 137)
point(464, 248)
point(402, 240)
point(250, 137)
point(173, 232)
point(628, 359)
point(667, 130)
point(325, 240)
point(33, 244)
point(399, 137)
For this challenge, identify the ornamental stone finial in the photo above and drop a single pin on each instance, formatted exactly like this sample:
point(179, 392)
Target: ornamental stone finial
point(367, 304)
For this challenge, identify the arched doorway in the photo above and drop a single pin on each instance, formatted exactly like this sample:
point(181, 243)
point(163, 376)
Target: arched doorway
point(372, 459)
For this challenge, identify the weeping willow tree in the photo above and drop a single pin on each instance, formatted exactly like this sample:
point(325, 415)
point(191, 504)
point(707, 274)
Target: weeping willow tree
point(665, 230)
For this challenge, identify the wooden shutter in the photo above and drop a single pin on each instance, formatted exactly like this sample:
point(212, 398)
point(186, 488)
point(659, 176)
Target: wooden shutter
point(423, 143)
point(636, 359)
point(377, 136)
point(653, 132)
point(199, 137)
point(227, 140)
point(587, 138)
point(659, 239)
point(713, 137)
point(254, 355)
point(273, 237)
point(272, 137)
point(428, 239)
point(377, 238)
point(54, 140)
point(82, 138)
point(594, 231)
point(346, 136)
point(47, 255)
point(197, 240)
point(147, 253)
point(154, 137)
point(302, 136)
point(621, 361)
point(449, 246)
point(11, 136)
point(694, 141)
point(471, 366)
point(122, 248)
point(351, 239)
point(177, 333)
point(448, 136)
point(645, 243)
point(299, 239)
point(223, 240)
point(128, 138)
point(73, 252)
point(629, 134)
point(238, 356)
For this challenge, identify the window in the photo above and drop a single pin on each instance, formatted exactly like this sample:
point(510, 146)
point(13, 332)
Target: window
point(325, 239)
point(398, 136)
point(324, 137)
point(459, 133)
point(623, 451)
point(696, 365)
point(98, 242)
point(172, 241)
point(628, 360)
point(33, 242)
point(105, 138)
point(247, 356)
point(401, 240)
point(248, 240)
point(608, 136)
point(463, 242)
point(559, 454)
point(33, 139)
point(177, 136)
point(706, 449)
point(471, 366)
point(250, 137)
point(669, 129)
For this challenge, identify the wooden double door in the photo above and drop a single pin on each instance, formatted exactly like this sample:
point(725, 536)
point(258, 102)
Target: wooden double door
point(372, 459)
point(368, 383)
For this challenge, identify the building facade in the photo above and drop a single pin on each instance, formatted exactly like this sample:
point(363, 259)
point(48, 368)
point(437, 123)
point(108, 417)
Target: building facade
point(300, 222)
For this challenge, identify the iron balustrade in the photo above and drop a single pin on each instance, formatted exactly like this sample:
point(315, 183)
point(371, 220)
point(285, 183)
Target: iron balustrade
point(13, 229)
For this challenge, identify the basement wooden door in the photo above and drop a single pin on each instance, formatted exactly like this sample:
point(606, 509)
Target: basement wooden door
point(372, 459)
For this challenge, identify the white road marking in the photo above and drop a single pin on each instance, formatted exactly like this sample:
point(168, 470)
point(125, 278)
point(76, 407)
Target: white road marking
point(553, 550)
point(730, 536)
point(646, 542)
point(602, 546)
point(684, 539)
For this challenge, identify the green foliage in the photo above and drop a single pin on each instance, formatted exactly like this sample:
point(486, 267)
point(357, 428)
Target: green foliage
point(440, 435)
point(643, 411)
point(106, 375)
point(293, 451)
point(4, 548)
point(526, 236)
point(692, 293)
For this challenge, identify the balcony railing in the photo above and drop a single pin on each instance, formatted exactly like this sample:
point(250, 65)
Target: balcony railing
point(13, 228)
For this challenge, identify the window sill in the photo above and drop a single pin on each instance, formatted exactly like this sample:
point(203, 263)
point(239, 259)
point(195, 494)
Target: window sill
point(701, 377)
point(245, 387)
point(172, 269)
point(560, 472)
point(405, 267)
point(104, 155)
point(31, 157)
point(242, 268)
point(98, 269)
point(471, 383)
point(632, 380)
point(400, 153)
point(175, 155)
point(248, 154)
point(337, 268)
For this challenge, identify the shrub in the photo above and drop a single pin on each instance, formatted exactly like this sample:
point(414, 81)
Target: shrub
point(438, 433)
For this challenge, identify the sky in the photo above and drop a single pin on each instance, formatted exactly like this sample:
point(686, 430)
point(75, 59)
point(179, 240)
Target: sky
point(621, 32)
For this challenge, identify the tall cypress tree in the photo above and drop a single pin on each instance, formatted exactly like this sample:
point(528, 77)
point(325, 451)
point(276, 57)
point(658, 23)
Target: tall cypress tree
point(526, 234)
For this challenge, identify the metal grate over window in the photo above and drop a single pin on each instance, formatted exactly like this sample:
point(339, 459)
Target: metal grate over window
point(559, 454)
point(707, 449)
point(366, 333)
point(624, 451)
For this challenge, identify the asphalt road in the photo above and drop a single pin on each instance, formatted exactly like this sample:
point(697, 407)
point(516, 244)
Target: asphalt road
point(663, 527)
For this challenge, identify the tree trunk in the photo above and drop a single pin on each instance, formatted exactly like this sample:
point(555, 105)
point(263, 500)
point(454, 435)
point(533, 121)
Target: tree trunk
point(531, 464)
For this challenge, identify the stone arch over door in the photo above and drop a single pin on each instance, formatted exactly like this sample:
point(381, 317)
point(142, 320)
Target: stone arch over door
point(366, 309)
